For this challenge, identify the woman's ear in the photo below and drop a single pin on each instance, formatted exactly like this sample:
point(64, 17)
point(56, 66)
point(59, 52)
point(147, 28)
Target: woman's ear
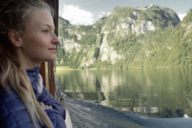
point(15, 38)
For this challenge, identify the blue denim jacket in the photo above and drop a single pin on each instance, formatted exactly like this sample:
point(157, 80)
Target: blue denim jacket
point(13, 113)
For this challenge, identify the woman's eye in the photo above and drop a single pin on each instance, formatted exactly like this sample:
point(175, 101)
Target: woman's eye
point(45, 31)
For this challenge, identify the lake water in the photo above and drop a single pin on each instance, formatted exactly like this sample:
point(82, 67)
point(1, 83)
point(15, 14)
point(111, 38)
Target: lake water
point(154, 92)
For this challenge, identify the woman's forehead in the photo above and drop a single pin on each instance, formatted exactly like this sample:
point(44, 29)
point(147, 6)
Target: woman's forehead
point(40, 17)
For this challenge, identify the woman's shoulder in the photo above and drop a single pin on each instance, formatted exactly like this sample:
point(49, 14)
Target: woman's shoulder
point(6, 95)
point(13, 112)
point(10, 103)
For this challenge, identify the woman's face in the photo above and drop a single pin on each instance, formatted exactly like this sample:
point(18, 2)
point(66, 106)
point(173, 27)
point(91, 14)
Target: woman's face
point(39, 39)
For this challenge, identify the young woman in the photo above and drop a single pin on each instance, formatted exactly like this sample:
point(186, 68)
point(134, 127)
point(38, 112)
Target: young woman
point(27, 38)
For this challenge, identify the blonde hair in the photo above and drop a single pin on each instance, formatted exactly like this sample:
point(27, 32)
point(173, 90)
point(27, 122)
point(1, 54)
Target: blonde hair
point(13, 14)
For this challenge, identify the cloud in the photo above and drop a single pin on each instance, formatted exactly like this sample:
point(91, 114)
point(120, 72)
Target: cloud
point(76, 15)
point(182, 15)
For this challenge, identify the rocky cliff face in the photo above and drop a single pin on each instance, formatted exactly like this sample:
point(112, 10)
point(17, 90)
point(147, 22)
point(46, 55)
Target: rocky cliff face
point(117, 38)
point(140, 20)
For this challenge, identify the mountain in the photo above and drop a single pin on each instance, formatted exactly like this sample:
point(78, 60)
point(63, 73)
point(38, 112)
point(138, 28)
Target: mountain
point(187, 19)
point(149, 36)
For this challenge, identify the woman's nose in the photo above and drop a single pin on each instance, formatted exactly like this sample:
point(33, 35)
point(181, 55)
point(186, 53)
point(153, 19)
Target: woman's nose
point(55, 39)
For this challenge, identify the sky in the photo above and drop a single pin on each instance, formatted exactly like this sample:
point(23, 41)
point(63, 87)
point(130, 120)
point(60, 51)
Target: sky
point(86, 12)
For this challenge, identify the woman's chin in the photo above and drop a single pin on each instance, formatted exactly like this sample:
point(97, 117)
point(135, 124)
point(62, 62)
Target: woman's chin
point(51, 58)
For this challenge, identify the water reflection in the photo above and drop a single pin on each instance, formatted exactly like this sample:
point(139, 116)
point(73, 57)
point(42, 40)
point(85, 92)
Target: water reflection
point(155, 92)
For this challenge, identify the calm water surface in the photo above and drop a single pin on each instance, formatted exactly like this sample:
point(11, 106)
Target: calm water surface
point(154, 92)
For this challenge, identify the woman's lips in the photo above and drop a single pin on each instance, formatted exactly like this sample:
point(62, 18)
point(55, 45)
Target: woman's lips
point(52, 49)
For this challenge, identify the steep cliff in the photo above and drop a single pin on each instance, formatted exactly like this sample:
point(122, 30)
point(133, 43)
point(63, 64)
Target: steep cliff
point(149, 36)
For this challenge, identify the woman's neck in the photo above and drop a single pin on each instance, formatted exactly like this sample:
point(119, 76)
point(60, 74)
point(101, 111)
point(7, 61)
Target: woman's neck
point(28, 63)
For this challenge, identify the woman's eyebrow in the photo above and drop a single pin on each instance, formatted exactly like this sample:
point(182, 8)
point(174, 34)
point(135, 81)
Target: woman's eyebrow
point(49, 26)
